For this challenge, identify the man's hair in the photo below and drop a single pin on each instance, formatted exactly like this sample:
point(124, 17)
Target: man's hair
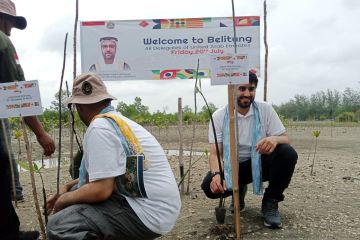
point(108, 38)
point(253, 78)
point(106, 102)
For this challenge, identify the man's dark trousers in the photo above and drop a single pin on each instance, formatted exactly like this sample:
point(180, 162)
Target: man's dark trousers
point(277, 168)
point(9, 221)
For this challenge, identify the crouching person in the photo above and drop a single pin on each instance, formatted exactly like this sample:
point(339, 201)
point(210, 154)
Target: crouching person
point(125, 189)
point(263, 149)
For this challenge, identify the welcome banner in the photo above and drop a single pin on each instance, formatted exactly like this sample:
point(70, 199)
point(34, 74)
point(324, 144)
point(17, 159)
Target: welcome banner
point(165, 48)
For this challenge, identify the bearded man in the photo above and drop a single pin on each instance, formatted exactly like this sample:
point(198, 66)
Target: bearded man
point(262, 142)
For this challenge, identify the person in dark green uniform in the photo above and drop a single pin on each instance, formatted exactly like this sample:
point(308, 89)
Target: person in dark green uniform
point(11, 71)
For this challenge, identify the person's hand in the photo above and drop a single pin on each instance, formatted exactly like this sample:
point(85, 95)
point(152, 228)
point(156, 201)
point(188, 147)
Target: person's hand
point(50, 203)
point(47, 143)
point(60, 203)
point(266, 145)
point(215, 185)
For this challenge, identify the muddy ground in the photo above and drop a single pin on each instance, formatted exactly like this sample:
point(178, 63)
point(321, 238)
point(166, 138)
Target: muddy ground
point(323, 206)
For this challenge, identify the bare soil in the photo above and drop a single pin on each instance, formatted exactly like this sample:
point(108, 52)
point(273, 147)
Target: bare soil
point(323, 206)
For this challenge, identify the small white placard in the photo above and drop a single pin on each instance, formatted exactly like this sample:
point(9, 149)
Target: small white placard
point(20, 99)
point(229, 69)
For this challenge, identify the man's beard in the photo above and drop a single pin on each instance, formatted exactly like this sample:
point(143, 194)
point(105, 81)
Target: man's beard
point(244, 104)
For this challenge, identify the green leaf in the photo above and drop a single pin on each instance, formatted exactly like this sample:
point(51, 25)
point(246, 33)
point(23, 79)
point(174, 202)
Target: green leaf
point(316, 133)
point(36, 168)
point(24, 165)
point(18, 134)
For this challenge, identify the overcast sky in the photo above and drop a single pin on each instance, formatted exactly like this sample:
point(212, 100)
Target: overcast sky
point(314, 45)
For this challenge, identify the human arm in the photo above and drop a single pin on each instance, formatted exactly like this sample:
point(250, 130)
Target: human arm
point(11, 71)
point(268, 144)
point(64, 189)
point(274, 130)
point(215, 184)
point(92, 192)
point(46, 142)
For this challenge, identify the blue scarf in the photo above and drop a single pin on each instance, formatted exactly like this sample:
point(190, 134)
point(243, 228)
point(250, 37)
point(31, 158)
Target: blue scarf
point(255, 156)
point(83, 175)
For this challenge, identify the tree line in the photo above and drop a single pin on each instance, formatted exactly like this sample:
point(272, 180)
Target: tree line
point(323, 105)
point(140, 114)
point(136, 111)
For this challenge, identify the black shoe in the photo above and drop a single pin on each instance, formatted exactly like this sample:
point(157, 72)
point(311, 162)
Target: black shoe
point(242, 193)
point(28, 235)
point(270, 213)
point(19, 198)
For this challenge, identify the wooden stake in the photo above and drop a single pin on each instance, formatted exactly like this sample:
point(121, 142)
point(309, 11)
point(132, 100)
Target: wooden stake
point(266, 54)
point(233, 142)
point(75, 36)
point(234, 162)
point(71, 136)
point(32, 178)
point(181, 161)
point(74, 75)
point(60, 126)
point(194, 127)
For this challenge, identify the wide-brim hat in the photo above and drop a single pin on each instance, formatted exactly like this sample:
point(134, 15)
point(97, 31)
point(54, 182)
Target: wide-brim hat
point(8, 9)
point(88, 88)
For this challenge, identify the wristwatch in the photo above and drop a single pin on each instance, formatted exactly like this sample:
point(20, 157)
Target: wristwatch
point(213, 174)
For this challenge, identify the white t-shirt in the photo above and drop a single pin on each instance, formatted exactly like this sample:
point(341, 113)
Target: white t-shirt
point(271, 126)
point(105, 157)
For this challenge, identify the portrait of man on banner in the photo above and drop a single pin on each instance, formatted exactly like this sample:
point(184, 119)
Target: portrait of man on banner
point(109, 60)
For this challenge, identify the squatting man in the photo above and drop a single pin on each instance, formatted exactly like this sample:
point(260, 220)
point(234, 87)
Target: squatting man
point(263, 142)
point(104, 203)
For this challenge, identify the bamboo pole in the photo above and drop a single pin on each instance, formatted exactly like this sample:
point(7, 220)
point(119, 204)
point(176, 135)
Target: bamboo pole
point(60, 127)
point(9, 150)
point(32, 178)
point(234, 162)
point(194, 127)
point(71, 136)
point(181, 161)
point(233, 141)
point(266, 54)
point(75, 36)
point(74, 75)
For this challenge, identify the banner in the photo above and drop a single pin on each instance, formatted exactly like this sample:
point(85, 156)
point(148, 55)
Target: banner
point(165, 48)
point(20, 99)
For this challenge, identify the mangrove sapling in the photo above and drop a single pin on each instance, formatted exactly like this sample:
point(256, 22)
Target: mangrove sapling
point(205, 154)
point(74, 76)
point(220, 210)
point(266, 53)
point(181, 161)
point(315, 134)
point(25, 165)
point(37, 170)
point(18, 135)
point(70, 129)
point(60, 103)
point(193, 123)
point(32, 178)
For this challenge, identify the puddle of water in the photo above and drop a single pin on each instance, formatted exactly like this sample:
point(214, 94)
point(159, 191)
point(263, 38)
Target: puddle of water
point(175, 152)
point(52, 162)
point(48, 163)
